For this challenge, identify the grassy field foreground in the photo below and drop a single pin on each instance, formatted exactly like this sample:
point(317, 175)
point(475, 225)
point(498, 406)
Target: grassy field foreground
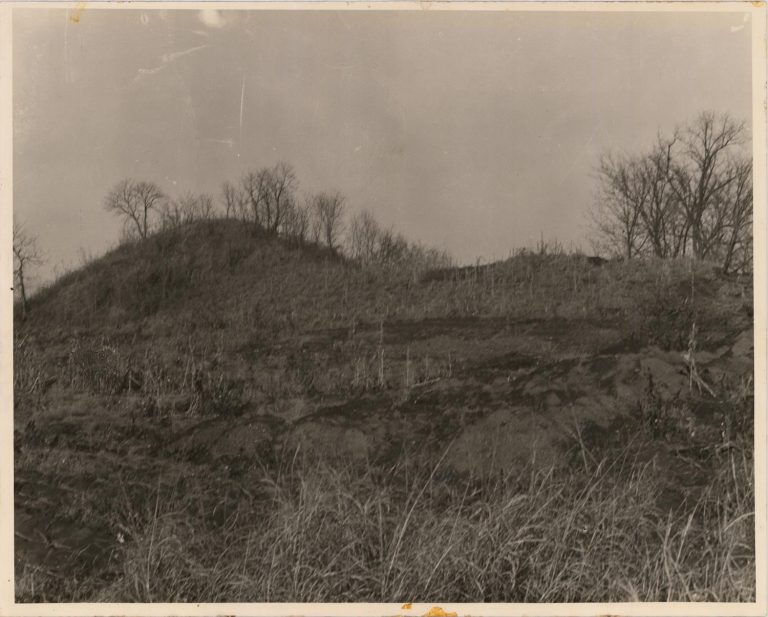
point(213, 416)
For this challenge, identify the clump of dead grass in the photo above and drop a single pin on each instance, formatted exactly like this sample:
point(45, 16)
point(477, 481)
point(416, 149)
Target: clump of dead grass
point(329, 532)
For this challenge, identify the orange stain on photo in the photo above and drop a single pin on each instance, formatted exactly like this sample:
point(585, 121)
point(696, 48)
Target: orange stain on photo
point(74, 18)
point(436, 611)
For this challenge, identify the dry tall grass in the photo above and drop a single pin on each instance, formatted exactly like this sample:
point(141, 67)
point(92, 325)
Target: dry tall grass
point(325, 531)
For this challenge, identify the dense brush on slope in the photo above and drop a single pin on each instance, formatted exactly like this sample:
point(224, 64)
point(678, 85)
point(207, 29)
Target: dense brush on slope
point(219, 274)
point(172, 270)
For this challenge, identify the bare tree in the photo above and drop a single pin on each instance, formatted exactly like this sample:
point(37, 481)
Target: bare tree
point(255, 188)
point(296, 221)
point(622, 201)
point(203, 208)
point(172, 214)
point(701, 177)
point(134, 201)
point(232, 199)
point(367, 242)
point(664, 224)
point(280, 188)
point(26, 254)
point(186, 208)
point(362, 236)
point(737, 225)
point(690, 194)
point(328, 212)
point(391, 248)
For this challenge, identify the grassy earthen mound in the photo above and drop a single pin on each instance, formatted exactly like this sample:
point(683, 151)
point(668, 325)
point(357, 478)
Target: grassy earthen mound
point(213, 415)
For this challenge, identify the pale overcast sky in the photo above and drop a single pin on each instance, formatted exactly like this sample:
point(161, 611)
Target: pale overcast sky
point(474, 132)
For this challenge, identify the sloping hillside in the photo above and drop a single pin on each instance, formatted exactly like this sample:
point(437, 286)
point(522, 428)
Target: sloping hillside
point(202, 379)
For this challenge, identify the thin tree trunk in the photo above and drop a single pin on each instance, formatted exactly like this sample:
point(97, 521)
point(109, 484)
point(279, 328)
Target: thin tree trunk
point(23, 293)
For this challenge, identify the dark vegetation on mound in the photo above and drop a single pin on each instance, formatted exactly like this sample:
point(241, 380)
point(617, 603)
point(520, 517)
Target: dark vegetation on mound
point(215, 415)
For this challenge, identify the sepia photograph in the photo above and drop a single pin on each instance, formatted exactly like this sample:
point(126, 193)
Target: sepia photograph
point(383, 304)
